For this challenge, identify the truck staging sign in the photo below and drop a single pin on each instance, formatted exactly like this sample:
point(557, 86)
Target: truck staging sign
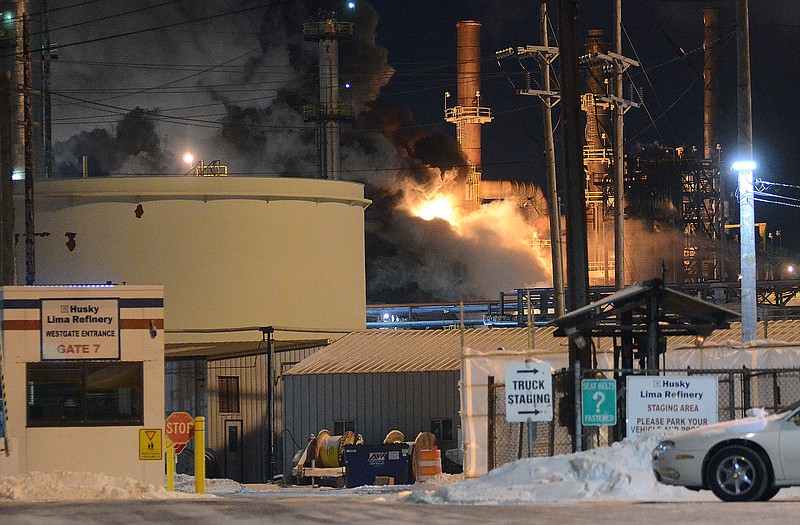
point(674, 403)
point(80, 329)
point(529, 392)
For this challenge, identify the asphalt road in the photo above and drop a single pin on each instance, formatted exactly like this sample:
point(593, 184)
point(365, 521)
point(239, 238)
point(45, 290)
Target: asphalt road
point(237, 510)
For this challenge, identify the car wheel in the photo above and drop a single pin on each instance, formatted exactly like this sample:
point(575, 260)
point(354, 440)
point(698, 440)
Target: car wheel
point(737, 473)
point(770, 493)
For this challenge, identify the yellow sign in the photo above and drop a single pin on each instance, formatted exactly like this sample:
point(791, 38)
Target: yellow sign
point(150, 443)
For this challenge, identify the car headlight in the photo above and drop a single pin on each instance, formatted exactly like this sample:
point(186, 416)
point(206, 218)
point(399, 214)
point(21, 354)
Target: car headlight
point(662, 447)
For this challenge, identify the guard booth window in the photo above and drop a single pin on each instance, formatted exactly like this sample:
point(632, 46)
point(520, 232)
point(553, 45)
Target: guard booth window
point(84, 394)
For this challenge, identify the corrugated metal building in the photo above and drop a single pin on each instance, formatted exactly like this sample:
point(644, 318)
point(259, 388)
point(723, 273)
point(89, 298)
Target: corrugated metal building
point(374, 381)
point(230, 384)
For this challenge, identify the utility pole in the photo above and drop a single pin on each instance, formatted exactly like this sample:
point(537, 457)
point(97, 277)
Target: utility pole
point(575, 202)
point(8, 46)
point(47, 118)
point(545, 55)
point(27, 94)
point(552, 191)
point(6, 190)
point(619, 156)
point(747, 244)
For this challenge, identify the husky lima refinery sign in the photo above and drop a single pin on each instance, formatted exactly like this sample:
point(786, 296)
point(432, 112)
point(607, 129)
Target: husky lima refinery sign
point(80, 329)
point(673, 403)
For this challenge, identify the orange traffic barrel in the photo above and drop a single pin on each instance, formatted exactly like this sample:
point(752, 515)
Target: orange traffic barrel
point(430, 463)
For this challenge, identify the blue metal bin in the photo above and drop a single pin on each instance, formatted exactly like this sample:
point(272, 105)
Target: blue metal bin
point(365, 462)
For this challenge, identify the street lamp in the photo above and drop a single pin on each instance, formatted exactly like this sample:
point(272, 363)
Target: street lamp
point(747, 247)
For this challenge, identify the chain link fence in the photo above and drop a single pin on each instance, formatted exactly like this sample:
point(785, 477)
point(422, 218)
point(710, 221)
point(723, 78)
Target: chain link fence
point(738, 390)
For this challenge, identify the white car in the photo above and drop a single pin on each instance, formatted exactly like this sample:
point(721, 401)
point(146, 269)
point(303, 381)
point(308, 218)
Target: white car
point(747, 459)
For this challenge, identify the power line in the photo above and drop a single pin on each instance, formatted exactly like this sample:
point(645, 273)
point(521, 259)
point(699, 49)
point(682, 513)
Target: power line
point(155, 28)
point(109, 17)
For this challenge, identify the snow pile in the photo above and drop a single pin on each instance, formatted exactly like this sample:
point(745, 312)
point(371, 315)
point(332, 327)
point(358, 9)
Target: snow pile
point(620, 472)
point(616, 473)
point(77, 486)
point(221, 487)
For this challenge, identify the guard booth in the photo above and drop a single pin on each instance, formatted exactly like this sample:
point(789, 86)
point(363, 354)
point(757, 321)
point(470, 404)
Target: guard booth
point(82, 380)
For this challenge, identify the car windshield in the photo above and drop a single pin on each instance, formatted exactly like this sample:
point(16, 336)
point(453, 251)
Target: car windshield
point(791, 408)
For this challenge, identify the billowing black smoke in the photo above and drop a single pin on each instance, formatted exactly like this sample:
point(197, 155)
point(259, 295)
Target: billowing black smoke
point(134, 139)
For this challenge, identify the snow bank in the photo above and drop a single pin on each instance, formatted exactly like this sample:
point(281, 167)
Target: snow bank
point(620, 472)
point(80, 486)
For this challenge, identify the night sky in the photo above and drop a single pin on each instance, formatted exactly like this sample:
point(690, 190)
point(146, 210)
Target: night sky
point(226, 79)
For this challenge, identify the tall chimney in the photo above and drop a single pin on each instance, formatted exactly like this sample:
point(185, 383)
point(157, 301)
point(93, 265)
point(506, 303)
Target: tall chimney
point(710, 88)
point(468, 115)
point(469, 86)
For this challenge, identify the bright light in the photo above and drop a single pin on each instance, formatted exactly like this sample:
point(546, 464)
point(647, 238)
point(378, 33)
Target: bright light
point(440, 207)
point(18, 174)
point(744, 165)
point(351, 5)
point(347, 85)
point(188, 158)
point(790, 268)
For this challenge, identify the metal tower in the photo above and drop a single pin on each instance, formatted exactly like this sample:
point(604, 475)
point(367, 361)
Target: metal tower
point(601, 67)
point(330, 110)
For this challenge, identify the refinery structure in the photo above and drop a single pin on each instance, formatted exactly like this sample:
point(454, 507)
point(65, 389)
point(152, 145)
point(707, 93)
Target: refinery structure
point(670, 191)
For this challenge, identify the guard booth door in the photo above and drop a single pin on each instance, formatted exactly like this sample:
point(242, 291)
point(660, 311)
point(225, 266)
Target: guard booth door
point(233, 449)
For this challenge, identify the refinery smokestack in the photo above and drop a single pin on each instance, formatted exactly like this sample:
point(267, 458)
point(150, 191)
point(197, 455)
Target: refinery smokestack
point(469, 86)
point(468, 115)
point(710, 89)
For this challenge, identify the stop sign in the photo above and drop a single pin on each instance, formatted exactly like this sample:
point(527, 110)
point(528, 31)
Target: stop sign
point(179, 428)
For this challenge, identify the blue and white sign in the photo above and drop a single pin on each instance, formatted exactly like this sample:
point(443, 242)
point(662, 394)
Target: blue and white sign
point(529, 391)
point(674, 403)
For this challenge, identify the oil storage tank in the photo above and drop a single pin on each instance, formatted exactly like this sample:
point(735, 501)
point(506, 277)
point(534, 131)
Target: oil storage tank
point(230, 251)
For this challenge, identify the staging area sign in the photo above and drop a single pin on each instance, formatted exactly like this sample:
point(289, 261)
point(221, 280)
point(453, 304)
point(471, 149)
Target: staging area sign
point(674, 403)
point(80, 329)
point(529, 391)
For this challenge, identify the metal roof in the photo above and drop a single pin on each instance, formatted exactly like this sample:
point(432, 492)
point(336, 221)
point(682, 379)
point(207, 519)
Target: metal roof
point(228, 349)
point(375, 351)
point(381, 351)
point(677, 313)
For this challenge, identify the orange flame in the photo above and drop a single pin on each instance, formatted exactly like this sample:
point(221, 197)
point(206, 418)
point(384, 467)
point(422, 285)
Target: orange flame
point(499, 225)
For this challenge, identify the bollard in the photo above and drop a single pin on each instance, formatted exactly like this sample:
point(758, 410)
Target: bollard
point(170, 466)
point(200, 455)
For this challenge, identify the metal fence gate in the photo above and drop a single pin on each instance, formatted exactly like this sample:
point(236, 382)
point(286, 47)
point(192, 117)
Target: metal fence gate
point(738, 390)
